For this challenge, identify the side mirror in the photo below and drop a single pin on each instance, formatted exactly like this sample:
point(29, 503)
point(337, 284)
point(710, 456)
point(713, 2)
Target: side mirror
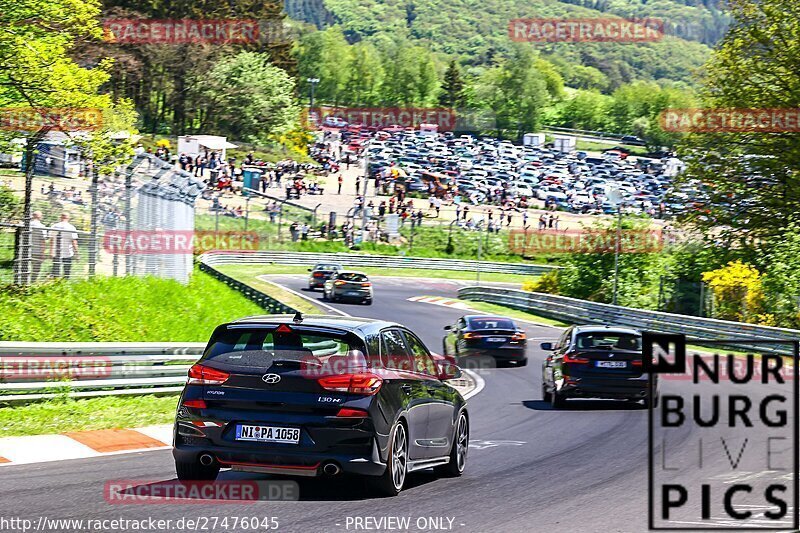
point(547, 346)
point(448, 328)
point(446, 370)
point(310, 269)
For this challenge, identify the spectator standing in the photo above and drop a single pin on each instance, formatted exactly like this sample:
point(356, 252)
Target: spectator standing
point(65, 246)
point(38, 244)
point(341, 181)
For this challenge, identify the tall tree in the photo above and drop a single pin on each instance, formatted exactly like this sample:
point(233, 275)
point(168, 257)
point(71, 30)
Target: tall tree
point(453, 94)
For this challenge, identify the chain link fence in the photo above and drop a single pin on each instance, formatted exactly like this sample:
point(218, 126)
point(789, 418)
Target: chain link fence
point(126, 223)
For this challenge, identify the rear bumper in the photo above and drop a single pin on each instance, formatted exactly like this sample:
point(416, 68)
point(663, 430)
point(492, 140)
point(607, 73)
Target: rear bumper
point(499, 354)
point(358, 295)
point(633, 388)
point(285, 462)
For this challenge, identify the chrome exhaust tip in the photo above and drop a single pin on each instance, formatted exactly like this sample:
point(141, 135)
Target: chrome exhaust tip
point(331, 469)
point(206, 460)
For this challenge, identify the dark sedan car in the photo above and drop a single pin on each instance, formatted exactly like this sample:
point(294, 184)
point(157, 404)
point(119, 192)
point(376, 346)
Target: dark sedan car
point(479, 335)
point(321, 273)
point(595, 362)
point(320, 396)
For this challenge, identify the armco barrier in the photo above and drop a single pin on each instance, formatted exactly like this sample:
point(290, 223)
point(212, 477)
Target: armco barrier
point(351, 260)
point(40, 370)
point(32, 371)
point(584, 312)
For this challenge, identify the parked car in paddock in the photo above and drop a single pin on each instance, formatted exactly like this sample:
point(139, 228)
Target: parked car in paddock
point(320, 396)
point(322, 273)
point(348, 285)
point(596, 362)
point(480, 335)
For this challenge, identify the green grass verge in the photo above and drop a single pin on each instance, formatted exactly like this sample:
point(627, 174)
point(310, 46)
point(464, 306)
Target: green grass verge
point(128, 309)
point(248, 274)
point(63, 415)
point(245, 273)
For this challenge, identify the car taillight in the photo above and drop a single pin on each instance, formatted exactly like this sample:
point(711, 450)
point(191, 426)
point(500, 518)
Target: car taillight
point(568, 358)
point(471, 335)
point(197, 404)
point(637, 362)
point(354, 383)
point(346, 412)
point(203, 375)
point(318, 275)
point(339, 282)
point(366, 284)
point(518, 337)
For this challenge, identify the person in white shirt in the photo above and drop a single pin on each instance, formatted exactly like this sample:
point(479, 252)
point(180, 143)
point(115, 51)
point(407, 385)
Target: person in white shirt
point(38, 244)
point(65, 246)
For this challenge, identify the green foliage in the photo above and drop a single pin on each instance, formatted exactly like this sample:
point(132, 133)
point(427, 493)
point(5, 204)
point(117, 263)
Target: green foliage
point(120, 309)
point(10, 205)
point(37, 70)
point(252, 99)
point(753, 184)
point(477, 32)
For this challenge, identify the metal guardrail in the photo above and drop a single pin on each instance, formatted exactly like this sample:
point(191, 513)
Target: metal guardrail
point(211, 259)
point(584, 312)
point(270, 304)
point(32, 371)
point(35, 371)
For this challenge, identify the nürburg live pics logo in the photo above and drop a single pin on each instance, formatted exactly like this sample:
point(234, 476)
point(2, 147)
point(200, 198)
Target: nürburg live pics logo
point(723, 432)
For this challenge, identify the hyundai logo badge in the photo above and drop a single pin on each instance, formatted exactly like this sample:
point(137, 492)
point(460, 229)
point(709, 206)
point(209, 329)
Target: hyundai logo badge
point(270, 379)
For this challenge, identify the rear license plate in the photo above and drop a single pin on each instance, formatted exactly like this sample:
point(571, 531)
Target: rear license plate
point(353, 293)
point(496, 339)
point(611, 364)
point(268, 434)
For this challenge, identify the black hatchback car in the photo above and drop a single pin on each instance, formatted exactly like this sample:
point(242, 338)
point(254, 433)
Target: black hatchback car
point(474, 336)
point(320, 396)
point(595, 362)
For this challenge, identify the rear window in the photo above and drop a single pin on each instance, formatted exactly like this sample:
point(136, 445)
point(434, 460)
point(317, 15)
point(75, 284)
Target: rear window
point(259, 347)
point(349, 276)
point(491, 323)
point(327, 267)
point(608, 340)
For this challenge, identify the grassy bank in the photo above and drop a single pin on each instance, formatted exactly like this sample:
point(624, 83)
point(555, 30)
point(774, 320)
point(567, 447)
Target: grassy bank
point(63, 415)
point(246, 273)
point(126, 309)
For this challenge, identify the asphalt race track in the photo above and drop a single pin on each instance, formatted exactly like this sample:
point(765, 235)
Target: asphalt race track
point(529, 468)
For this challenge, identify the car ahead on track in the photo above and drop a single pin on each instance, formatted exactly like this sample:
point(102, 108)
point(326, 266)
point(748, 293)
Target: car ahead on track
point(320, 396)
point(595, 362)
point(321, 273)
point(480, 335)
point(348, 285)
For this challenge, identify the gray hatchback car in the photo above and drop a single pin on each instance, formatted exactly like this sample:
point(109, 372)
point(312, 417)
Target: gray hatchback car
point(348, 285)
